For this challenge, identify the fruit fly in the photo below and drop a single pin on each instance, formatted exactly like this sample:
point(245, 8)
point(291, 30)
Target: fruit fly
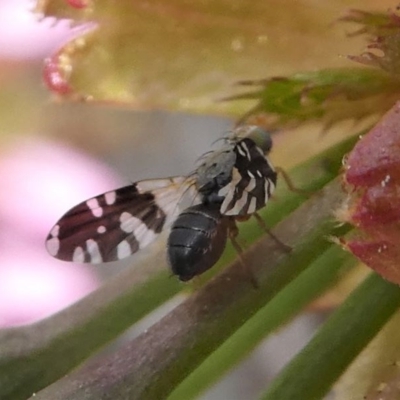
point(230, 184)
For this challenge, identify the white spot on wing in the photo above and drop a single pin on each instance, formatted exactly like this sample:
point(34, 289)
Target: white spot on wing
point(79, 255)
point(101, 229)
point(93, 249)
point(55, 231)
point(110, 198)
point(123, 250)
point(94, 207)
point(129, 222)
point(135, 226)
point(53, 245)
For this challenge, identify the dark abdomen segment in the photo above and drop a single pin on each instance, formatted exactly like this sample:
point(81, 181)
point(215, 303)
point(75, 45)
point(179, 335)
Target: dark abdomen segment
point(197, 240)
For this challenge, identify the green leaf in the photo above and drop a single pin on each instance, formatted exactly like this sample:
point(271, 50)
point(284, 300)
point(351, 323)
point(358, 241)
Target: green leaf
point(379, 382)
point(329, 96)
point(312, 373)
point(317, 278)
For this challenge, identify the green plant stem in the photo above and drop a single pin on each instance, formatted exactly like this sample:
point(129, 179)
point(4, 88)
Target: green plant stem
point(315, 369)
point(317, 278)
point(31, 357)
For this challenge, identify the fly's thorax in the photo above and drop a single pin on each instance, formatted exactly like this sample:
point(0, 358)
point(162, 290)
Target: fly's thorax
point(215, 173)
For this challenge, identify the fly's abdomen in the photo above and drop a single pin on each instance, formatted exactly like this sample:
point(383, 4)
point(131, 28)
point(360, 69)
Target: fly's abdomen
point(197, 240)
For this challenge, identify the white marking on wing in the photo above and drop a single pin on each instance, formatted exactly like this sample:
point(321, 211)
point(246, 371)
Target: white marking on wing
point(129, 222)
point(79, 255)
point(53, 245)
point(94, 207)
point(94, 252)
point(55, 231)
point(123, 250)
point(168, 194)
point(110, 197)
point(101, 229)
point(138, 228)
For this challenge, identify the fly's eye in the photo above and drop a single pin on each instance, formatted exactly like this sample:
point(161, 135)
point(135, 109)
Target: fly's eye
point(261, 138)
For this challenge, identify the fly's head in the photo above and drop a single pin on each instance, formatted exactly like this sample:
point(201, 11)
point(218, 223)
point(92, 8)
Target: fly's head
point(259, 136)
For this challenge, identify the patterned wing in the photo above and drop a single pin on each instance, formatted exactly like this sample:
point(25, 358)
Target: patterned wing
point(253, 181)
point(118, 223)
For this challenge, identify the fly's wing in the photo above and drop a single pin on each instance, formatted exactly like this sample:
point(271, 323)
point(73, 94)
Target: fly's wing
point(253, 181)
point(116, 224)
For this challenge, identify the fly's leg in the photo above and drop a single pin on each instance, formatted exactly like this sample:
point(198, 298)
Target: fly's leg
point(261, 223)
point(233, 232)
point(290, 184)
